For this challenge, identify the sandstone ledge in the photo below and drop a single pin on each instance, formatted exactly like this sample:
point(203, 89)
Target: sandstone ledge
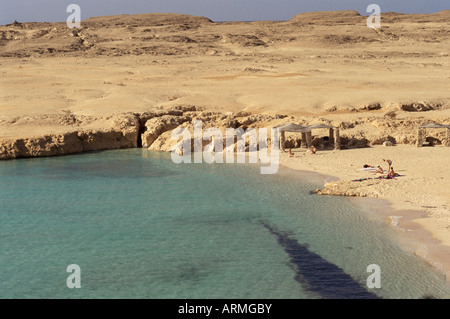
point(366, 188)
point(152, 129)
point(64, 144)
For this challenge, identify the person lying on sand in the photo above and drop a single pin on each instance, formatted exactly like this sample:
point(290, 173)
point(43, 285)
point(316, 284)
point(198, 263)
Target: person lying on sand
point(391, 173)
point(313, 150)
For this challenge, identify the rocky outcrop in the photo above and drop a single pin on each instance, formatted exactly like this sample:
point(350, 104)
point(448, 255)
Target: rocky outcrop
point(153, 129)
point(383, 140)
point(158, 125)
point(128, 125)
point(421, 107)
point(350, 188)
point(48, 145)
point(123, 134)
point(104, 140)
point(165, 143)
point(354, 142)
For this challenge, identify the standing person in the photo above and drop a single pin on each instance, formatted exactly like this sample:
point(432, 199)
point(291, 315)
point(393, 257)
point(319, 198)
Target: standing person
point(290, 153)
point(389, 163)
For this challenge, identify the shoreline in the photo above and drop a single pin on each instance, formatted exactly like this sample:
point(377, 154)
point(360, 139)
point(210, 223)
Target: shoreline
point(413, 227)
point(410, 234)
point(415, 230)
point(408, 225)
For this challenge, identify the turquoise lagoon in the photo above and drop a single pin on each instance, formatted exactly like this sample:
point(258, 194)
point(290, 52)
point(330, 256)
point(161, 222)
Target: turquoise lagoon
point(140, 226)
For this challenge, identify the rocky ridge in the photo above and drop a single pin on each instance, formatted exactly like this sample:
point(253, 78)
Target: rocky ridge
point(152, 129)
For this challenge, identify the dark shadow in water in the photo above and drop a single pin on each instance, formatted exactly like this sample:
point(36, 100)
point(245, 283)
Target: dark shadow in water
point(106, 169)
point(317, 275)
point(93, 164)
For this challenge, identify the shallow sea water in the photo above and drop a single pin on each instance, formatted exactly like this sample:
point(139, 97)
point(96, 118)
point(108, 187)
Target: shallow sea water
point(140, 226)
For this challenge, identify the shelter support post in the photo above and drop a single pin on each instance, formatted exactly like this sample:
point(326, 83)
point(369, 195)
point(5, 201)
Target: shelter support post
point(420, 135)
point(308, 139)
point(448, 138)
point(304, 142)
point(282, 140)
point(337, 139)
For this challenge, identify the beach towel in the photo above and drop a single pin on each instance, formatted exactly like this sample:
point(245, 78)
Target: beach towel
point(369, 169)
point(368, 178)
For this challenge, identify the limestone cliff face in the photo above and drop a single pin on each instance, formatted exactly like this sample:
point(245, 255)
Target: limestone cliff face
point(351, 188)
point(124, 134)
point(48, 145)
point(128, 125)
point(153, 130)
point(158, 125)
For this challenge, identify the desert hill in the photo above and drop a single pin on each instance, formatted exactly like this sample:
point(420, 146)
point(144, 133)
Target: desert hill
point(177, 34)
point(326, 67)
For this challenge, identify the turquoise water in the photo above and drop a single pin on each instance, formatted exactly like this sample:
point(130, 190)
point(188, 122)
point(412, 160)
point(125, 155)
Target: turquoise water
point(140, 226)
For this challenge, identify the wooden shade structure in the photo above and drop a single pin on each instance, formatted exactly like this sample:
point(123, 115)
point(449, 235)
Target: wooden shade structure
point(422, 130)
point(307, 134)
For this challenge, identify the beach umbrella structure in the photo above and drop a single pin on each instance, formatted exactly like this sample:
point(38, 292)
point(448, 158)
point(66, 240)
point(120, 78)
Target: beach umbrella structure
point(306, 131)
point(421, 133)
point(297, 128)
point(333, 133)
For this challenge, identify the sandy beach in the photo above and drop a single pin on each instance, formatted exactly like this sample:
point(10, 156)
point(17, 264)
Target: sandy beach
point(128, 81)
point(419, 198)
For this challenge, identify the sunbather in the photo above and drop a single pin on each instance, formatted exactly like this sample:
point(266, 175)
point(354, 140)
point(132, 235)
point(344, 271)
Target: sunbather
point(379, 170)
point(391, 173)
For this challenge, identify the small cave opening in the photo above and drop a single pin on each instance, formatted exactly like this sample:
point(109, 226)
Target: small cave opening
point(142, 130)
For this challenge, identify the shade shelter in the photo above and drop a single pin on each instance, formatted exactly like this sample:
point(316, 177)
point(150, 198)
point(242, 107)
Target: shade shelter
point(421, 132)
point(307, 133)
point(291, 127)
point(333, 133)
